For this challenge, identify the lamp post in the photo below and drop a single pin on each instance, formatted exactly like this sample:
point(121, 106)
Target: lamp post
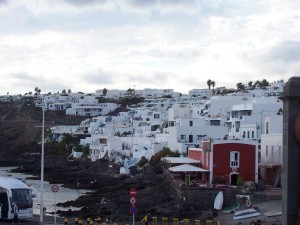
point(42, 169)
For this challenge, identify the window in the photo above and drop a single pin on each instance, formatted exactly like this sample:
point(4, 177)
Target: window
point(183, 137)
point(252, 134)
point(234, 159)
point(191, 123)
point(248, 134)
point(156, 116)
point(267, 127)
point(244, 134)
point(267, 149)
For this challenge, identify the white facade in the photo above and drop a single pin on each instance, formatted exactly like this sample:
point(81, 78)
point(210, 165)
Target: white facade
point(200, 92)
point(245, 120)
point(89, 106)
point(271, 149)
point(189, 132)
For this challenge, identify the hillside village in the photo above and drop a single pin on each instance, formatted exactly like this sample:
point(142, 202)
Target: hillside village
point(229, 134)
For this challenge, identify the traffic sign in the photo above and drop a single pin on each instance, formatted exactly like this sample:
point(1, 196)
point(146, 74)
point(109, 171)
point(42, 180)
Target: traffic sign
point(133, 209)
point(55, 188)
point(132, 200)
point(132, 192)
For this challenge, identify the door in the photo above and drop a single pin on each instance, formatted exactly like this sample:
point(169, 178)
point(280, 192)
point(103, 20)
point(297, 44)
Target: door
point(191, 138)
point(233, 178)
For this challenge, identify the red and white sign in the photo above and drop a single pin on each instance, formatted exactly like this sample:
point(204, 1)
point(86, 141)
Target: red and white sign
point(132, 192)
point(55, 188)
point(132, 200)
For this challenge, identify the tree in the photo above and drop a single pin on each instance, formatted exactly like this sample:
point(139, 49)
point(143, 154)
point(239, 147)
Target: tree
point(130, 92)
point(30, 93)
point(104, 92)
point(69, 91)
point(209, 83)
point(240, 86)
point(264, 84)
point(37, 91)
point(257, 84)
point(64, 91)
point(213, 84)
point(250, 84)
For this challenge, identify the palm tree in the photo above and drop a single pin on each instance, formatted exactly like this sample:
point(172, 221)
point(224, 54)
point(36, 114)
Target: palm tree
point(213, 84)
point(69, 91)
point(64, 91)
point(209, 83)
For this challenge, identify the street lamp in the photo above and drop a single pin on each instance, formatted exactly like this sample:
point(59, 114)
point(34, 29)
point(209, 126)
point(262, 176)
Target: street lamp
point(42, 168)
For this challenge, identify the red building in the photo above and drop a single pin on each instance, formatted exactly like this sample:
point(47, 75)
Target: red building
point(228, 159)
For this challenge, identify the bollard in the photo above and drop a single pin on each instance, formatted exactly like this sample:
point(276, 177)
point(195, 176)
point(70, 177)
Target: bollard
point(79, 222)
point(165, 220)
point(115, 223)
point(104, 223)
point(218, 222)
point(197, 222)
point(91, 222)
point(175, 221)
point(186, 221)
point(154, 220)
point(65, 221)
point(98, 219)
point(209, 222)
point(76, 220)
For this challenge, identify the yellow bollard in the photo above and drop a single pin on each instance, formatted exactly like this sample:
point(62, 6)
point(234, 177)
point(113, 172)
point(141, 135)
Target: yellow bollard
point(76, 220)
point(175, 221)
point(104, 223)
point(115, 223)
point(186, 221)
point(79, 222)
point(65, 221)
point(197, 222)
point(218, 222)
point(154, 220)
point(88, 220)
point(209, 222)
point(165, 220)
point(98, 219)
point(91, 222)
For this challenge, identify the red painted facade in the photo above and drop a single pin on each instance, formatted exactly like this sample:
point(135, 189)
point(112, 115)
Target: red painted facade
point(247, 161)
point(221, 167)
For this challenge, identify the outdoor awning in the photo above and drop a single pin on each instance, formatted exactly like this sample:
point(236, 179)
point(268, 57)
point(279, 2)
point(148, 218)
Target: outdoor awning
point(187, 168)
point(268, 165)
point(179, 160)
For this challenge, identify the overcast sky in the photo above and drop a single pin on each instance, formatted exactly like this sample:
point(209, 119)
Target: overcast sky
point(85, 45)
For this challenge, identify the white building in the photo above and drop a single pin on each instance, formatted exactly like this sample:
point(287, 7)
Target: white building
point(271, 149)
point(89, 106)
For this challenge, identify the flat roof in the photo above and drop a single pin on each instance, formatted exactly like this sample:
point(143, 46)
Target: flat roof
point(180, 160)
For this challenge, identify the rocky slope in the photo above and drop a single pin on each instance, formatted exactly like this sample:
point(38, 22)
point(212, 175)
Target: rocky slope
point(20, 133)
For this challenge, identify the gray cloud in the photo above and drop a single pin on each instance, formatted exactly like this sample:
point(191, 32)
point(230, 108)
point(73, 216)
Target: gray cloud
point(99, 77)
point(29, 82)
point(3, 2)
point(286, 52)
point(84, 2)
